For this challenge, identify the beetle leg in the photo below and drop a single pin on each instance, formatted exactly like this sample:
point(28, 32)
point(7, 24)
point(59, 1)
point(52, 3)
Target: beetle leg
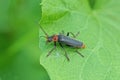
point(62, 32)
point(74, 36)
point(51, 49)
point(77, 33)
point(65, 52)
point(79, 53)
point(67, 33)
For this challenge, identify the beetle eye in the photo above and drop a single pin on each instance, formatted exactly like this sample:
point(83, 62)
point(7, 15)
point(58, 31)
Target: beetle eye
point(49, 39)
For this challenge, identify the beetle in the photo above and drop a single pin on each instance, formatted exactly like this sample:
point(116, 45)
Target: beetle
point(62, 39)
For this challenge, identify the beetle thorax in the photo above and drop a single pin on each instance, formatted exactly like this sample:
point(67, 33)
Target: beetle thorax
point(55, 38)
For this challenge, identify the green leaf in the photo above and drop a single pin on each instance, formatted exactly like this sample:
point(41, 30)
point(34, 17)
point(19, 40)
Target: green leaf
point(98, 22)
point(19, 52)
point(23, 66)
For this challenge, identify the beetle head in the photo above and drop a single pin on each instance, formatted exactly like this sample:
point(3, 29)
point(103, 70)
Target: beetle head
point(49, 39)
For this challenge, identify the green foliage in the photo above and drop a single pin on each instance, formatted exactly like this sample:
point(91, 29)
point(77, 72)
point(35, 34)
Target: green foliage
point(99, 30)
point(19, 52)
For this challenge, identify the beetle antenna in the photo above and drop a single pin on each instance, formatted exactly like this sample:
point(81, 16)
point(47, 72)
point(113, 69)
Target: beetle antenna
point(44, 31)
point(43, 36)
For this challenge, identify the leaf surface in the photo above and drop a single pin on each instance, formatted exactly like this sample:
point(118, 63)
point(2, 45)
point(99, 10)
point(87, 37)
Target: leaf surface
point(98, 23)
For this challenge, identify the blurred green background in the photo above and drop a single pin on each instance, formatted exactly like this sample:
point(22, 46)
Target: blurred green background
point(19, 52)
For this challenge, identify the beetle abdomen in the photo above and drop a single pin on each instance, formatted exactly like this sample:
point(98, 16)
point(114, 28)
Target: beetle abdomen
point(69, 41)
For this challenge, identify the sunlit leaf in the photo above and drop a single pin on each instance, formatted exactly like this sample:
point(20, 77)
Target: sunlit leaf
point(98, 23)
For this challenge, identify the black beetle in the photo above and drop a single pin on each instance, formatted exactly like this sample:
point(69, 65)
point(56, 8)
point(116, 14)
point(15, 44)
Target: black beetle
point(62, 39)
